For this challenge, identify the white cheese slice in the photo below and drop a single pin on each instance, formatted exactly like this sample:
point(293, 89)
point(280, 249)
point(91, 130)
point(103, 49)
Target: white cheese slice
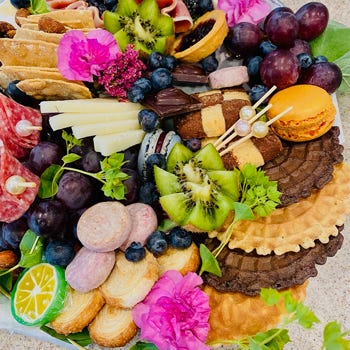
point(65, 120)
point(81, 131)
point(108, 144)
point(94, 105)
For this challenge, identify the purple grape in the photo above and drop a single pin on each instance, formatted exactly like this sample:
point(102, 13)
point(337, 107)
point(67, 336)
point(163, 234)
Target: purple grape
point(130, 157)
point(243, 39)
point(275, 10)
point(326, 75)
point(313, 19)
point(300, 46)
point(282, 28)
point(132, 185)
point(91, 162)
point(13, 232)
point(280, 68)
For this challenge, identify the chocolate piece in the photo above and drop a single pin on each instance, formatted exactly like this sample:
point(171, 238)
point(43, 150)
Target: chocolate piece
point(189, 74)
point(304, 166)
point(171, 102)
point(247, 273)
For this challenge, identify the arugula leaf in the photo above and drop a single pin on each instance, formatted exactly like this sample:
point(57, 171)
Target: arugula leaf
point(343, 63)
point(82, 338)
point(38, 7)
point(333, 337)
point(143, 346)
point(209, 262)
point(31, 247)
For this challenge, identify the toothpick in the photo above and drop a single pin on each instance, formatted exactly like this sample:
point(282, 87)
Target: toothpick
point(263, 98)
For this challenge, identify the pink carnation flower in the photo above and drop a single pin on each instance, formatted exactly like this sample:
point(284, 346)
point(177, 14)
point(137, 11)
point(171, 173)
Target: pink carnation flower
point(175, 313)
point(252, 11)
point(81, 56)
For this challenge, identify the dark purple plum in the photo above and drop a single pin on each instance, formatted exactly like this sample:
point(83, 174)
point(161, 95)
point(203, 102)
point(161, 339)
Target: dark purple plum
point(313, 19)
point(326, 75)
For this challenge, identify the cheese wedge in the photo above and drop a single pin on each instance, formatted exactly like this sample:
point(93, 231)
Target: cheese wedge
point(81, 131)
point(65, 120)
point(108, 144)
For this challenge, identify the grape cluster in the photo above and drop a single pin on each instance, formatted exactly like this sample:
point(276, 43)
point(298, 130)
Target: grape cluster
point(277, 51)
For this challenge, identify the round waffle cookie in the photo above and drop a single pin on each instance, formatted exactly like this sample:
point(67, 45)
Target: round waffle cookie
point(247, 273)
point(298, 225)
point(304, 166)
point(235, 315)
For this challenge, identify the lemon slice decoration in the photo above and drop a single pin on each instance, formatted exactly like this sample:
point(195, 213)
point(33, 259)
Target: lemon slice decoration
point(39, 294)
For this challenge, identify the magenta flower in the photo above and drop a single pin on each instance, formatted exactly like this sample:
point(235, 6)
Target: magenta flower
point(121, 73)
point(81, 56)
point(252, 11)
point(175, 313)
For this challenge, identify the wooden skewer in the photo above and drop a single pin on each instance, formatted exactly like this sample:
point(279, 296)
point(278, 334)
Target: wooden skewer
point(245, 138)
point(232, 136)
point(263, 98)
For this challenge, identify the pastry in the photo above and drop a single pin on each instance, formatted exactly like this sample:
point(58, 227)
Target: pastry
point(312, 115)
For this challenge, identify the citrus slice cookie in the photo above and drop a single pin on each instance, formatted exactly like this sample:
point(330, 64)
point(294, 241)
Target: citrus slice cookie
point(129, 282)
point(300, 224)
point(78, 312)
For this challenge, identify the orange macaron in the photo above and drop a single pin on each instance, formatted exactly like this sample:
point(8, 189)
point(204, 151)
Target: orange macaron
point(312, 115)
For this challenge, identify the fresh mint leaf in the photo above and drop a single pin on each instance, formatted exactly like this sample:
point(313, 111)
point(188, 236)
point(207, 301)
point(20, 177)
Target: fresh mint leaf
point(31, 247)
point(49, 181)
point(334, 338)
point(209, 262)
point(70, 158)
point(38, 7)
point(143, 346)
point(343, 63)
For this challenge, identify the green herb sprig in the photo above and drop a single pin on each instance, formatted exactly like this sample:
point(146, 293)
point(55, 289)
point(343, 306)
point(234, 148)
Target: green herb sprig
point(110, 174)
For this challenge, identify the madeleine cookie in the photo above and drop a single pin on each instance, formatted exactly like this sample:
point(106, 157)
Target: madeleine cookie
point(182, 260)
point(312, 115)
point(112, 327)
point(129, 282)
point(78, 312)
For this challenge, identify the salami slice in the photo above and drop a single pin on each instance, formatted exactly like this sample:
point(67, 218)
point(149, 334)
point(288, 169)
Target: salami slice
point(11, 113)
point(12, 207)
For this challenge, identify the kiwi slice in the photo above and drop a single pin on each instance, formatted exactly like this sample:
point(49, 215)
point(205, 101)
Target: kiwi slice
point(196, 189)
point(141, 25)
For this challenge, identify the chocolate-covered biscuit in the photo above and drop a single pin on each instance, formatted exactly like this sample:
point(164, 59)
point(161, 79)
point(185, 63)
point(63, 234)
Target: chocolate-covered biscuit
point(304, 166)
point(247, 273)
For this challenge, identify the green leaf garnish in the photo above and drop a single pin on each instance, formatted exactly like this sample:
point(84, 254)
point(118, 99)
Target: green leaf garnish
point(6, 284)
point(49, 181)
point(270, 296)
point(38, 7)
point(334, 338)
point(209, 262)
point(343, 63)
point(274, 339)
point(143, 346)
point(242, 212)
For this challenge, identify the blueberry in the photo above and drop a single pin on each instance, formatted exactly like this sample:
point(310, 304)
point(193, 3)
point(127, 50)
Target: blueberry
point(161, 78)
point(148, 119)
point(152, 160)
point(180, 238)
point(193, 144)
point(135, 252)
point(157, 242)
point(148, 193)
point(110, 4)
point(319, 59)
point(254, 66)
point(20, 3)
point(144, 84)
point(267, 47)
point(59, 252)
point(169, 62)
point(135, 94)
point(18, 95)
point(209, 63)
point(256, 92)
point(155, 60)
point(305, 60)
point(206, 5)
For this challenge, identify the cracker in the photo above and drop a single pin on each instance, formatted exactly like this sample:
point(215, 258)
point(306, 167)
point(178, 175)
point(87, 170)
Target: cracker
point(300, 224)
point(34, 53)
point(30, 34)
point(49, 89)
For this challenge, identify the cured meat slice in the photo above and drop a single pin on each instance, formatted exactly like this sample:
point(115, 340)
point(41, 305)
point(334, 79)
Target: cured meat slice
point(12, 207)
point(11, 113)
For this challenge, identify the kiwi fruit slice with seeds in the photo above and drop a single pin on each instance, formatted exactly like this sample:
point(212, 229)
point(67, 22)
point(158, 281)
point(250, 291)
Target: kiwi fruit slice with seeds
point(196, 189)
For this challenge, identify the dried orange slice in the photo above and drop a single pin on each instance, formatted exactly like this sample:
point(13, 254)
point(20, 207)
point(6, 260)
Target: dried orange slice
point(207, 34)
point(38, 295)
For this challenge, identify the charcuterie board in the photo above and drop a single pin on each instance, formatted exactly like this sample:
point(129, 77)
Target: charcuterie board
point(328, 294)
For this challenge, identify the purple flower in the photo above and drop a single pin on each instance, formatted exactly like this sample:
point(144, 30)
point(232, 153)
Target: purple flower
point(175, 313)
point(244, 10)
point(81, 56)
point(121, 73)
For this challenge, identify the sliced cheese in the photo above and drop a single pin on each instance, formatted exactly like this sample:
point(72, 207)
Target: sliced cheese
point(81, 131)
point(108, 144)
point(95, 105)
point(65, 120)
